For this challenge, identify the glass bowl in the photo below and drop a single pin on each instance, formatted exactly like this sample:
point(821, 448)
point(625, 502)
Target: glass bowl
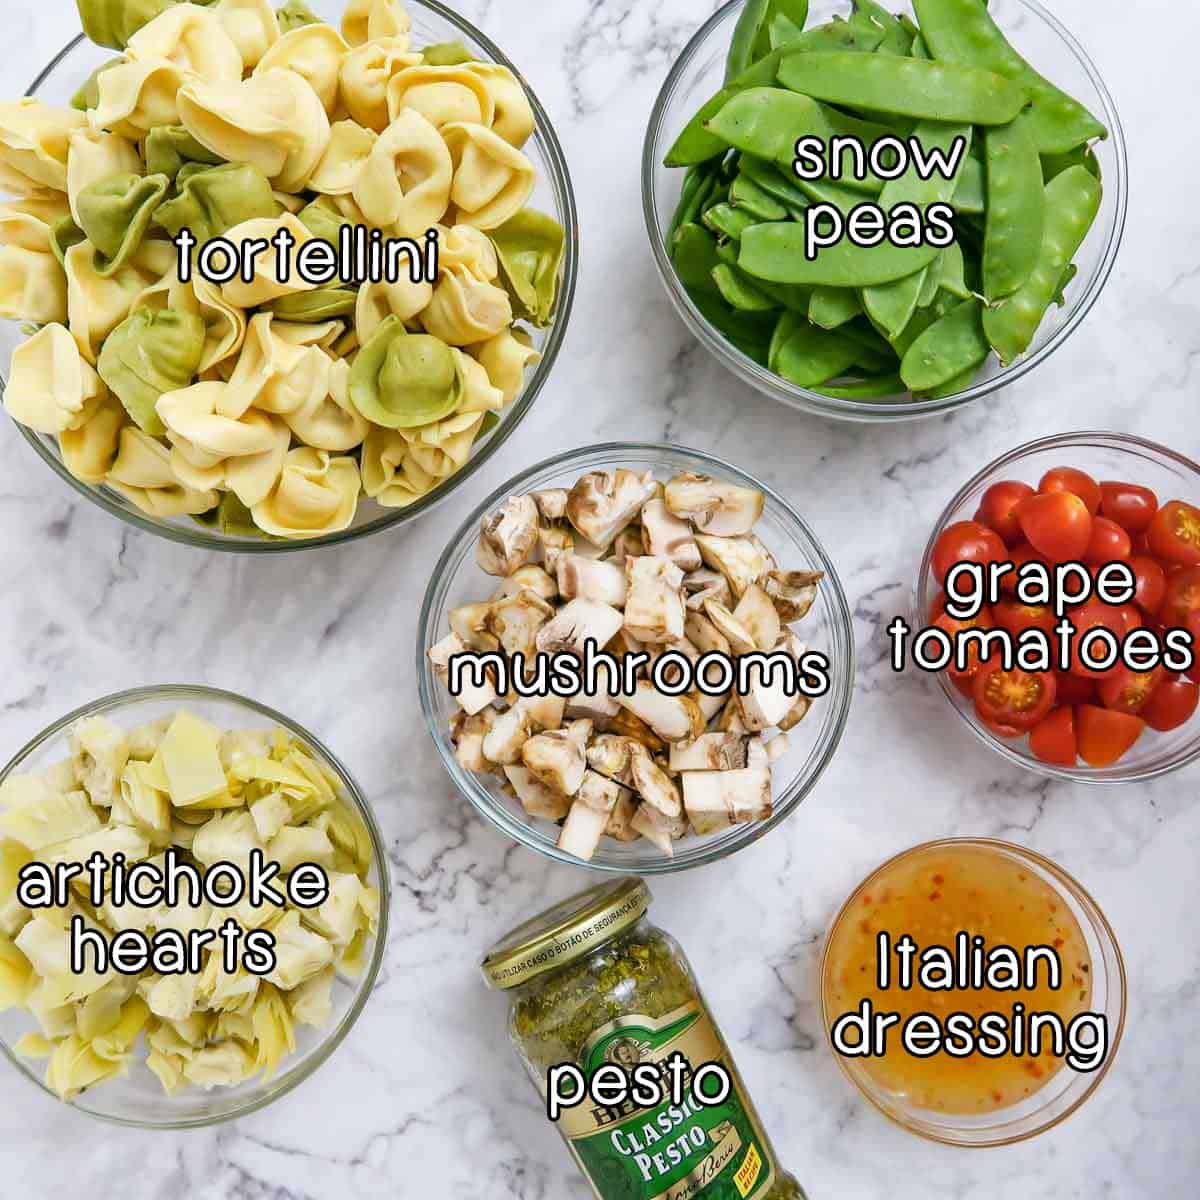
point(1069, 1088)
point(1104, 456)
point(138, 1098)
point(698, 73)
point(827, 627)
point(432, 23)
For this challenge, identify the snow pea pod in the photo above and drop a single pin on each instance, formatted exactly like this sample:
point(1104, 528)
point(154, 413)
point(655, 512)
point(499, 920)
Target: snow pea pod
point(963, 32)
point(1072, 201)
point(746, 32)
point(783, 31)
point(728, 221)
point(970, 195)
point(776, 252)
point(906, 86)
point(748, 332)
point(739, 291)
point(875, 388)
point(830, 308)
point(696, 144)
point(947, 349)
point(694, 254)
point(1016, 207)
point(811, 356)
point(951, 275)
point(951, 387)
point(1056, 164)
point(699, 186)
point(748, 196)
point(896, 40)
point(891, 305)
point(774, 182)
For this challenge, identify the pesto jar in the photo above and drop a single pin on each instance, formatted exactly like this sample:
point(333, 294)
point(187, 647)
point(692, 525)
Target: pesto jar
point(591, 982)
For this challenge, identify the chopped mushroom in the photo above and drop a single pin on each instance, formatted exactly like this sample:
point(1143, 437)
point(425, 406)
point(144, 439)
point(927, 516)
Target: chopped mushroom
point(666, 536)
point(601, 504)
point(471, 699)
point(722, 509)
point(654, 606)
point(645, 572)
point(591, 579)
point(792, 592)
point(577, 623)
point(508, 536)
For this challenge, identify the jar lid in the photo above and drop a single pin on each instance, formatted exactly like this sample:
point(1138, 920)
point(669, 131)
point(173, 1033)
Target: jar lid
point(568, 931)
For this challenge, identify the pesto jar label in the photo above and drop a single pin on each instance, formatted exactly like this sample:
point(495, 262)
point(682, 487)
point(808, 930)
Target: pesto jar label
point(674, 1151)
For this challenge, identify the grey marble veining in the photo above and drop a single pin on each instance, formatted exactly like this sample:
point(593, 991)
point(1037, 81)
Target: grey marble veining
point(425, 1098)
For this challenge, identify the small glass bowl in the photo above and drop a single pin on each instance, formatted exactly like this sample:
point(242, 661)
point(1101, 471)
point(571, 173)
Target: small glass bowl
point(699, 73)
point(1069, 1088)
point(431, 23)
point(458, 580)
point(1104, 456)
point(138, 1099)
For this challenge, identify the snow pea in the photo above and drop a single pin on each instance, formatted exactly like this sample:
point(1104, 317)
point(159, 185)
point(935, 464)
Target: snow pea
point(810, 356)
point(874, 353)
point(952, 273)
point(963, 32)
point(746, 32)
point(696, 144)
point(747, 196)
point(906, 86)
point(1072, 201)
point(970, 195)
point(775, 252)
point(748, 332)
point(783, 31)
point(774, 182)
point(891, 305)
point(896, 40)
point(728, 221)
point(699, 186)
point(739, 291)
point(948, 348)
point(1056, 164)
point(951, 387)
point(1016, 208)
point(694, 253)
point(877, 387)
point(830, 308)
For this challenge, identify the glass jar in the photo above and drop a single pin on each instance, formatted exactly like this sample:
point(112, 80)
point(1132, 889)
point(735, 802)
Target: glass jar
point(592, 982)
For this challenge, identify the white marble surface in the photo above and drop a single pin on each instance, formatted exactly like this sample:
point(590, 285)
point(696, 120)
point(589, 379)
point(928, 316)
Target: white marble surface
point(91, 606)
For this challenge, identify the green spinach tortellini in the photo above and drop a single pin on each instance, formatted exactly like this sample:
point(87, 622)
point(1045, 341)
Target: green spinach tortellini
point(170, 147)
point(113, 22)
point(115, 213)
point(401, 380)
point(530, 249)
point(295, 14)
point(149, 353)
point(325, 304)
point(212, 200)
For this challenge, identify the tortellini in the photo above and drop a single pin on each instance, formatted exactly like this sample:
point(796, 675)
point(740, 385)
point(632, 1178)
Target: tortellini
point(180, 784)
point(273, 120)
point(257, 401)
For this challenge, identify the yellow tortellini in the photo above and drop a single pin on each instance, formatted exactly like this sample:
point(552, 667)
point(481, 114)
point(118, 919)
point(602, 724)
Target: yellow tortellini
point(180, 784)
point(406, 180)
point(273, 121)
point(258, 401)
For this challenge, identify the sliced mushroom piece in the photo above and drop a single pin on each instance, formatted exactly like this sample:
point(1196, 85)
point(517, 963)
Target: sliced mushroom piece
point(653, 784)
point(620, 820)
point(722, 509)
point(516, 621)
point(799, 710)
point(471, 699)
point(610, 755)
point(666, 536)
point(710, 752)
point(557, 759)
point(756, 753)
point(711, 706)
point(577, 623)
point(601, 503)
point(509, 732)
point(658, 828)
point(704, 635)
point(530, 577)
point(536, 798)
point(706, 584)
point(777, 747)
point(582, 830)
point(756, 613)
point(792, 592)
point(737, 558)
point(585, 549)
point(740, 639)
point(672, 674)
point(470, 622)
point(625, 724)
point(599, 792)
point(467, 734)
point(654, 606)
point(591, 579)
point(672, 718)
point(551, 503)
point(629, 543)
point(730, 720)
point(508, 536)
point(545, 712)
point(553, 542)
point(767, 700)
point(599, 708)
point(740, 796)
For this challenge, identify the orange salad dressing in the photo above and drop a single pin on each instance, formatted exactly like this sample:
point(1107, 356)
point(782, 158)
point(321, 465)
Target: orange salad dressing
point(931, 894)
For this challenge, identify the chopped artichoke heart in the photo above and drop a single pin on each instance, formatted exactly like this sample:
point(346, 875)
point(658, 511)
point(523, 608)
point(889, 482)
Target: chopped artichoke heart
point(192, 762)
